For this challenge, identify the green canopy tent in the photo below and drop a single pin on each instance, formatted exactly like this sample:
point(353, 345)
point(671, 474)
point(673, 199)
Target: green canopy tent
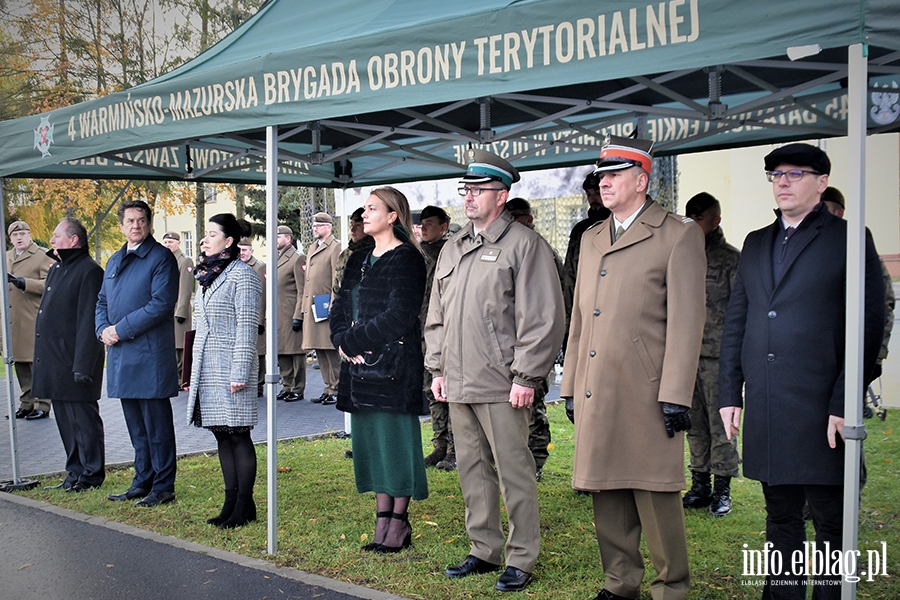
point(363, 93)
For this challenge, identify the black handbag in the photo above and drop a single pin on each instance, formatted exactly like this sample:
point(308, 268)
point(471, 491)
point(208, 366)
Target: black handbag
point(381, 367)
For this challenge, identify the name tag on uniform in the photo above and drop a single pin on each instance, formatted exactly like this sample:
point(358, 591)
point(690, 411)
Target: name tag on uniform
point(489, 255)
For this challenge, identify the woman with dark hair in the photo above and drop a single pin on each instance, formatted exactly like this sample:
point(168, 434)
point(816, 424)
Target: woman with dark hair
point(226, 313)
point(375, 327)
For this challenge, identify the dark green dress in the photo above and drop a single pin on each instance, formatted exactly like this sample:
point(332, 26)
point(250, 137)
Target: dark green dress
point(387, 447)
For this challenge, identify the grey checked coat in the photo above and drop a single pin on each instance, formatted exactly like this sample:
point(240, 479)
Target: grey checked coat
point(226, 317)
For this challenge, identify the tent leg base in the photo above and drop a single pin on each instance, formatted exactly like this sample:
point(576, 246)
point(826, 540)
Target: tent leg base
point(18, 486)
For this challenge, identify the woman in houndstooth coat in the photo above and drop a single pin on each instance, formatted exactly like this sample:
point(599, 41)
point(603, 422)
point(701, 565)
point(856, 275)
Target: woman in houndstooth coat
point(226, 314)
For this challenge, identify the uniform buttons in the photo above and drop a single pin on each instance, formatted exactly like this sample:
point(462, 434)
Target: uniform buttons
point(603, 273)
point(587, 394)
point(596, 312)
point(593, 353)
point(770, 357)
point(772, 314)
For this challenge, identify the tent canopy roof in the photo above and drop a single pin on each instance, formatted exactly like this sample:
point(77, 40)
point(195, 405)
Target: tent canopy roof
point(400, 88)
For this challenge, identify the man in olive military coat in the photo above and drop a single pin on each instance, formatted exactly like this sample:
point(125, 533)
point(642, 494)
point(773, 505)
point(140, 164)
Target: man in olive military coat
point(26, 266)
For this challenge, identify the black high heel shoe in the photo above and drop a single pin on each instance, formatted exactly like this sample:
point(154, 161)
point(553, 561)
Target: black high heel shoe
point(378, 515)
point(407, 541)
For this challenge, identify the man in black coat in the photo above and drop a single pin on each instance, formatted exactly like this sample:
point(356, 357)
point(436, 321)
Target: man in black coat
point(784, 340)
point(68, 357)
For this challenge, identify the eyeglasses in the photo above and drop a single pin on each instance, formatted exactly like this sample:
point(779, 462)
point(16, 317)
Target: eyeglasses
point(476, 191)
point(794, 175)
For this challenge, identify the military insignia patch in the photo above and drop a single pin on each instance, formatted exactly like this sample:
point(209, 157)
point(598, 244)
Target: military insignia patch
point(43, 136)
point(490, 255)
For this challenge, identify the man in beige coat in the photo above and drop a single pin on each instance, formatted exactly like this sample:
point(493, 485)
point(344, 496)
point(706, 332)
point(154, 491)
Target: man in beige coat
point(291, 355)
point(27, 265)
point(246, 247)
point(633, 348)
point(495, 325)
point(186, 281)
point(321, 263)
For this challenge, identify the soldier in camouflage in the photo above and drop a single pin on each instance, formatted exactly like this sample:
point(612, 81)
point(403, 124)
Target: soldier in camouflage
point(358, 240)
point(711, 450)
point(834, 202)
point(596, 213)
point(539, 429)
point(433, 225)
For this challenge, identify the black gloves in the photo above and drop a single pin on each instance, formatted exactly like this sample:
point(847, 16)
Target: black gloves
point(676, 418)
point(180, 320)
point(82, 379)
point(260, 329)
point(19, 282)
point(570, 409)
point(296, 324)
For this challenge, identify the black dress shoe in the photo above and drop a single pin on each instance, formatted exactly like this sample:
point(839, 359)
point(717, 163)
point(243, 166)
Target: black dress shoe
point(129, 494)
point(80, 486)
point(293, 397)
point(320, 399)
point(37, 414)
point(605, 594)
point(65, 485)
point(471, 566)
point(156, 498)
point(513, 580)
point(23, 412)
point(281, 395)
point(329, 399)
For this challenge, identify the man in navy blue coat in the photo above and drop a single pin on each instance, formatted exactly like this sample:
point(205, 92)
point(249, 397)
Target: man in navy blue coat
point(783, 342)
point(134, 319)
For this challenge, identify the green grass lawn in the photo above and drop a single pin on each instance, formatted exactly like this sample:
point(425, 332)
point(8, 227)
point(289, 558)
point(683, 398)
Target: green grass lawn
point(323, 522)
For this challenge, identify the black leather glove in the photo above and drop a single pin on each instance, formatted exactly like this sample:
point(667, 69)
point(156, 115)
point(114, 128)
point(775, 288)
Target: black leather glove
point(570, 409)
point(260, 329)
point(19, 282)
point(180, 320)
point(296, 324)
point(676, 418)
point(876, 371)
point(82, 379)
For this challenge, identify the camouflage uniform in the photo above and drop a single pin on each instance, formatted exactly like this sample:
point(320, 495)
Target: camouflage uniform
point(570, 266)
point(539, 429)
point(440, 411)
point(711, 452)
point(366, 243)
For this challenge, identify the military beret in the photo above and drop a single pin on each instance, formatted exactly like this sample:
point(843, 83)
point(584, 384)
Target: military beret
point(484, 167)
point(17, 226)
point(436, 211)
point(699, 203)
point(245, 241)
point(171, 235)
point(285, 230)
point(624, 153)
point(832, 194)
point(801, 155)
point(323, 219)
point(357, 215)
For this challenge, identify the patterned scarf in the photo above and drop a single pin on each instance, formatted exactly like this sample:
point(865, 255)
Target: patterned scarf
point(208, 268)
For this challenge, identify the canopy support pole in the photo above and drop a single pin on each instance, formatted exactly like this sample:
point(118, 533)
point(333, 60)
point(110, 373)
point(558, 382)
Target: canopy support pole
point(15, 483)
point(272, 373)
point(853, 383)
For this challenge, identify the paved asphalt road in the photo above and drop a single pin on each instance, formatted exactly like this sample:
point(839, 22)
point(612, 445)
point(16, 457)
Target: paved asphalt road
point(49, 553)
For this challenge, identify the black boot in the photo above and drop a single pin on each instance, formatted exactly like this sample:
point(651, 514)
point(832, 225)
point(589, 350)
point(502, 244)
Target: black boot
point(700, 494)
point(436, 456)
point(227, 508)
point(244, 512)
point(721, 497)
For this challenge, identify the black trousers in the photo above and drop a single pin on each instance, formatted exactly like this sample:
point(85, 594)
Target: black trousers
point(786, 531)
point(81, 430)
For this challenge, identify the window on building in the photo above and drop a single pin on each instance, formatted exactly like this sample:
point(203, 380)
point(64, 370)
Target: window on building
point(187, 243)
point(210, 191)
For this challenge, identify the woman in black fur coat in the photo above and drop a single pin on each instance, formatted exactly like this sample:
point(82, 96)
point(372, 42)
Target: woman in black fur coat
point(375, 327)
